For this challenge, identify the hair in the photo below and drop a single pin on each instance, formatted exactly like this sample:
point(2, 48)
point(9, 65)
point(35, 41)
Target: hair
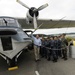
point(64, 34)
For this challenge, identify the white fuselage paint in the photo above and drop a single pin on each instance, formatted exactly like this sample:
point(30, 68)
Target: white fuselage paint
point(19, 39)
point(37, 73)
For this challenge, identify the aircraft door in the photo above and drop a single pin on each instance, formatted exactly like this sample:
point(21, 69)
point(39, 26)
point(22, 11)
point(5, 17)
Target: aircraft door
point(6, 43)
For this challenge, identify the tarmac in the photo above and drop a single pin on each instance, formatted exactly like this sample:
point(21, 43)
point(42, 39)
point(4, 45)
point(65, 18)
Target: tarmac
point(27, 66)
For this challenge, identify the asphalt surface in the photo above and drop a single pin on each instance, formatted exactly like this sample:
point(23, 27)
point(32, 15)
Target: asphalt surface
point(27, 66)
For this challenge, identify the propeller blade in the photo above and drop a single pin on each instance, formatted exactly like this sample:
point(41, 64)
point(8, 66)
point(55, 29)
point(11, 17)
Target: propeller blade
point(35, 21)
point(42, 7)
point(38, 27)
point(23, 4)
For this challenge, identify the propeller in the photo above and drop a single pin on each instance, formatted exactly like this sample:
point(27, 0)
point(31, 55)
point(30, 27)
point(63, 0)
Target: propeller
point(42, 7)
point(37, 27)
point(22, 4)
point(35, 21)
point(33, 12)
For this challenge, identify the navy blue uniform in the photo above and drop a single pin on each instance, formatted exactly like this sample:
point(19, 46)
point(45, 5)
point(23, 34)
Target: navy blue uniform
point(55, 50)
point(43, 48)
point(59, 48)
point(47, 48)
point(53, 46)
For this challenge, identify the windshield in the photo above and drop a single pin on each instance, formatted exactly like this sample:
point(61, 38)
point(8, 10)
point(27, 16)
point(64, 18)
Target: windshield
point(7, 21)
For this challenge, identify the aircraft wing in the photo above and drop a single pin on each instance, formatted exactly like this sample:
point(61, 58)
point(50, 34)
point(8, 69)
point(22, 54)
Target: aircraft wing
point(47, 24)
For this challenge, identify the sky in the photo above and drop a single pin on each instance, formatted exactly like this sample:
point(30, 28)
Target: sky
point(56, 9)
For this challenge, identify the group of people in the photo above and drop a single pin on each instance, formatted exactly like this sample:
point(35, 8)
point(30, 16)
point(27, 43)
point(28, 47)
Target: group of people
point(51, 48)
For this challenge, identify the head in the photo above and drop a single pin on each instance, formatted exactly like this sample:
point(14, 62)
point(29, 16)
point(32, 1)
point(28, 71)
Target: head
point(55, 38)
point(43, 39)
point(63, 35)
point(37, 36)
point(48, 38)
point(51, 38)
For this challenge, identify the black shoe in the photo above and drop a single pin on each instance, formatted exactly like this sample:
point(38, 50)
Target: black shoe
point(62, 58)
point(38, 60)
point(65, 58)
point(45, 56)
point(42, 56)
point(48, 59)
point(54, 60)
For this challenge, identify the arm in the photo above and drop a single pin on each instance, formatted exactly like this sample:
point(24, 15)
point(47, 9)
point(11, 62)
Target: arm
point(33, 38)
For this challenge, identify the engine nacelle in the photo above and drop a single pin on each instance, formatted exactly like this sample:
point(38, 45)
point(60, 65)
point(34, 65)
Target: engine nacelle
point(30, 15)
point(33, 13)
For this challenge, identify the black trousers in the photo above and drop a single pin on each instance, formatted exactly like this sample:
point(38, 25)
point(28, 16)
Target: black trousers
point(55, 55)
point(42, 51)
point(59, 52)
point(49, 53)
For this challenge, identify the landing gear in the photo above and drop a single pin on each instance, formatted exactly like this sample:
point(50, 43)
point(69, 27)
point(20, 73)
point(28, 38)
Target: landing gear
point(12, 63)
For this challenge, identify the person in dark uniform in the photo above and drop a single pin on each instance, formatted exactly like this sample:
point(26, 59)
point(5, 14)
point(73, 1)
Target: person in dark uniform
point(59, 46)
point(46, 47)
point(53, 46)
point(55, 49)
point(43, 47)
point(64, 47)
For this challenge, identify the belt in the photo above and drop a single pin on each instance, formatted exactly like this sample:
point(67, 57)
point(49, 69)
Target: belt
point(36, 45)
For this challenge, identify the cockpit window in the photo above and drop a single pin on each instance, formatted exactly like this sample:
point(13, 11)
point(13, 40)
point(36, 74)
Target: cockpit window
point(9, 22)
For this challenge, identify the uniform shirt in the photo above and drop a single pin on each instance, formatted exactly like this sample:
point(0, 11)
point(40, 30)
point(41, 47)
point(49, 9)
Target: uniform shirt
point(36, 41)
point(47, 43)
point(43, 43)
point(64, 43)
point(51, 44)
point(59, 44)
point(55, 44)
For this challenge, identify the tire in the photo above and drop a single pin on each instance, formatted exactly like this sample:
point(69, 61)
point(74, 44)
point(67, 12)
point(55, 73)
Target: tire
point(11, 62)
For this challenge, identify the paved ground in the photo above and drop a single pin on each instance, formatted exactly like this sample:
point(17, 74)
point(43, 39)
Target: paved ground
point(27, 66)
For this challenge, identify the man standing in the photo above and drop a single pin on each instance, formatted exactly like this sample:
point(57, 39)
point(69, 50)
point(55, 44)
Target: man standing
point(64, 47)
point(43, 47)
point(37, 44)
point(55, 49)
point(59, 46)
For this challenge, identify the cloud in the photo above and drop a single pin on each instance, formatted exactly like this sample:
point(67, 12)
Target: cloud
point(56, 9)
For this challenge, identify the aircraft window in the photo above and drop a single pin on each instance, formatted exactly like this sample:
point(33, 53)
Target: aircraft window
point(8, 22)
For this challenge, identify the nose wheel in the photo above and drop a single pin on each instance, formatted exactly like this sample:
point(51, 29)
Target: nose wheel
point(12, 63)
